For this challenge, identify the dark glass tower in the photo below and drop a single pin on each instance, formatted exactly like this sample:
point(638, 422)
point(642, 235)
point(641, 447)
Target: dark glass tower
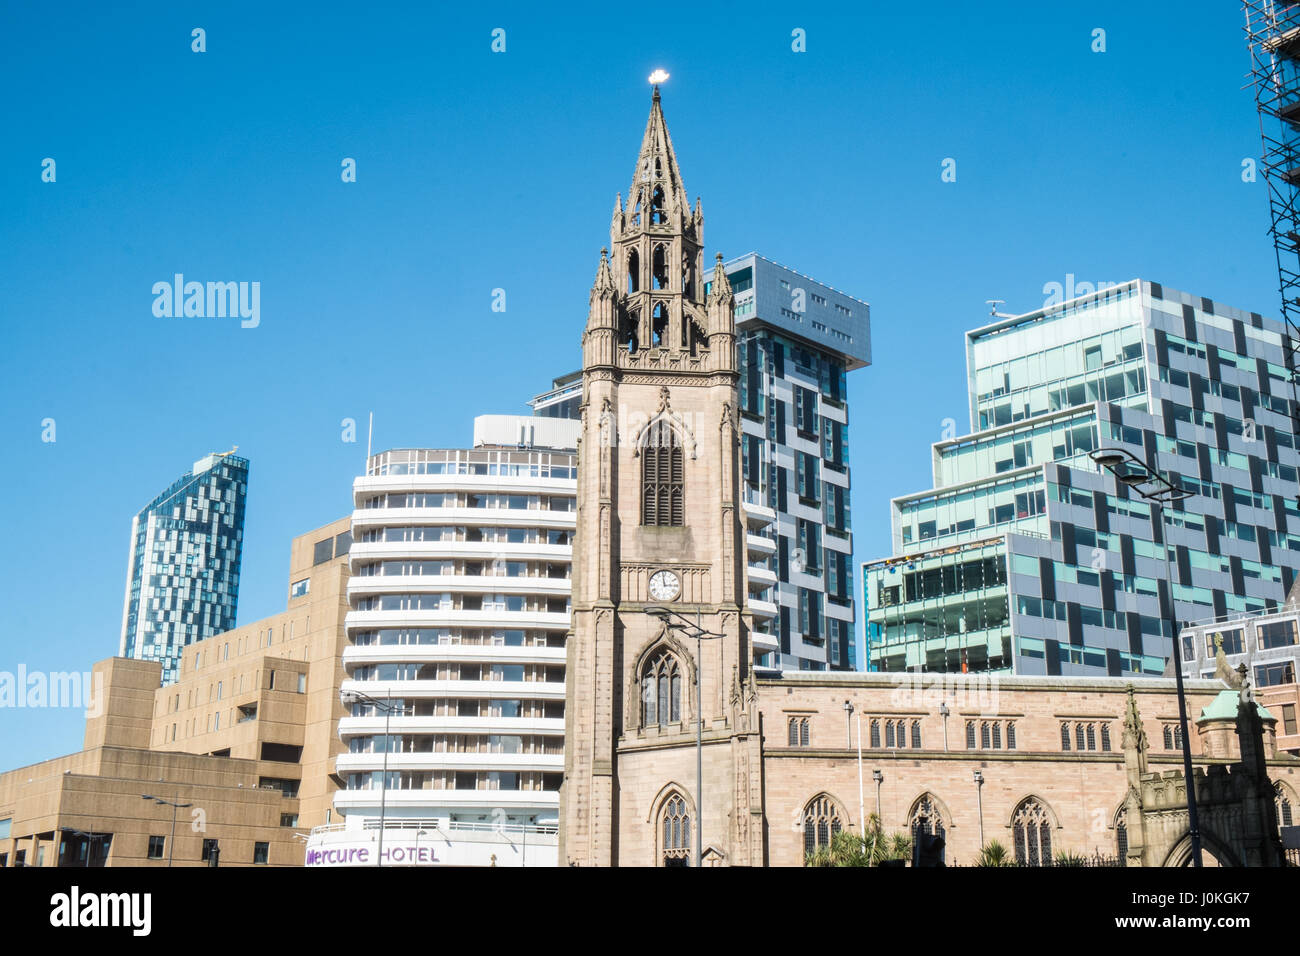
point(182, 580)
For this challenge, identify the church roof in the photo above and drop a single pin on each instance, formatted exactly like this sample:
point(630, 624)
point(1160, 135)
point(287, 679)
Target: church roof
point(1224, 707)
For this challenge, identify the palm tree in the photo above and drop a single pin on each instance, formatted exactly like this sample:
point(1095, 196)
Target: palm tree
point(994, 853)
point(872, 848)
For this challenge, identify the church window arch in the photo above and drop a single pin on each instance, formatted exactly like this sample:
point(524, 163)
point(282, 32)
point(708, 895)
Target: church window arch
point(821, 821)
point(1031, 829)
point(661, 690)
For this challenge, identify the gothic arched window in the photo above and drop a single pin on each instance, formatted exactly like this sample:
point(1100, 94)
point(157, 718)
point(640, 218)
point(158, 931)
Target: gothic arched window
point(875, 732)
point(1065, 736)
point(662, 477)
point(629, 333)
point(925, 818)
point(970, 735)
point(677, 832)
point(659, 326)
point(821, 821)
point(1285, 812)
point(661, 691)
point(1105, 736)
point(916, 734)
point(1032, 829)
point(1011, 735)
point(659, 267)
point(1079, 742)
point(657, 215)
point(633, 271)
point(1121, 835)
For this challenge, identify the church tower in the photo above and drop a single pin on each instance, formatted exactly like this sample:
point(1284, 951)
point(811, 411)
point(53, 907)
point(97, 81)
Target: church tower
point(659, 527)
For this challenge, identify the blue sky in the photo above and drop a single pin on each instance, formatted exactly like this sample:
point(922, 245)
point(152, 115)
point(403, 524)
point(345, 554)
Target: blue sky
point(479, 170)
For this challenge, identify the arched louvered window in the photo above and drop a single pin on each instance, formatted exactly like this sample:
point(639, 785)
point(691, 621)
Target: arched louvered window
point(821, 821)
point(1079, 742)
point(889, 733)
point(1065, 736)
point(875, 732)
point(985, 742)
point(1092, 737)
point(661, 691)
point(1105, 736)
point(1032, 829)
point(970, 735)
point(662, 476)
point(676, 832)
point(916, 735)
point(997, 735)
point(1011, 735)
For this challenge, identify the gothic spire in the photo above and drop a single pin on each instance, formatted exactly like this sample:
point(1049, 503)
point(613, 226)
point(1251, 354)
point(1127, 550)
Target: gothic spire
point(656, 166)
point(604, 284)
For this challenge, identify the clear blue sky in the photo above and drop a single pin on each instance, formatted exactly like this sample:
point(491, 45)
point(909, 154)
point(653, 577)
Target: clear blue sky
point(479, 171)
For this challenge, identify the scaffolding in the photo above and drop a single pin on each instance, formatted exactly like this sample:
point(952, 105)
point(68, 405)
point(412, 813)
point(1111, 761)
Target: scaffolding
point(1273, 31)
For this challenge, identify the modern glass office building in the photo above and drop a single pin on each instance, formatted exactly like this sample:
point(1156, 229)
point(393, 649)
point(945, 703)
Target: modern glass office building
point(182, 580)
point(1025, 557)
point(797, 339)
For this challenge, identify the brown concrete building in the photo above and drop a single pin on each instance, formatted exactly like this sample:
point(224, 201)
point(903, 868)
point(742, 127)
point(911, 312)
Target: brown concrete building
point(247, 737)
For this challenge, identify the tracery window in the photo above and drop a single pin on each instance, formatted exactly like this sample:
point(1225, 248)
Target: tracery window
point(1032, 829)
point(661, 691)
point(676, 832)
point(821, 821)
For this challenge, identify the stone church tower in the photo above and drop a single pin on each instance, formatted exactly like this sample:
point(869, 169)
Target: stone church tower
point(659, 525)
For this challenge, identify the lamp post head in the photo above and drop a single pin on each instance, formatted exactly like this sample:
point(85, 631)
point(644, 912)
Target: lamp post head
point(979, 778)
point(877, 776)
point(1133, 479)
point(943, 709)
point(848, 707)
point(1108, 459)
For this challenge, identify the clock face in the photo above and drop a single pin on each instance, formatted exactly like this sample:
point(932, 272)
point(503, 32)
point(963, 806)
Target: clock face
point(664, 586)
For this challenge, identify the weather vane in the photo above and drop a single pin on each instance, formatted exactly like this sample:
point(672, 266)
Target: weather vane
point(658, 76)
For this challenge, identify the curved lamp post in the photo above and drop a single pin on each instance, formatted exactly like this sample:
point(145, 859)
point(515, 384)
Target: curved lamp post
point(696, 630)
point(348, 697)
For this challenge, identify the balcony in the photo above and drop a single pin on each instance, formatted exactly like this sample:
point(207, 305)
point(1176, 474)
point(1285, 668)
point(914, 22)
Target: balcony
point(449, 760)
point(470, 653)
point(762, 609)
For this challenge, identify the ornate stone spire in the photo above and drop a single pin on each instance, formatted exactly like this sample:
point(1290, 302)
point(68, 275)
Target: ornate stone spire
point(1134, 735)
point(604, 284)
point(656, 169)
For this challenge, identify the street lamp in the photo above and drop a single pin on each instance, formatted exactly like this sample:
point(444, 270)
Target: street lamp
point(944, 712)
point(171, 843)
point(696, 630)
point(979, 802)
point(1152, 486)
point(349, 697)
point(879, 777)
point(848, 724)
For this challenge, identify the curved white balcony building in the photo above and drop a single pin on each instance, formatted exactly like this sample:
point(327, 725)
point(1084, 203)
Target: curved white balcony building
point(458, 611)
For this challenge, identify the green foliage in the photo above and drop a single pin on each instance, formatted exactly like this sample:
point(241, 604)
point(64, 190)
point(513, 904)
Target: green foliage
point(1070, 858)
point(994, 853)
point(871, 848)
